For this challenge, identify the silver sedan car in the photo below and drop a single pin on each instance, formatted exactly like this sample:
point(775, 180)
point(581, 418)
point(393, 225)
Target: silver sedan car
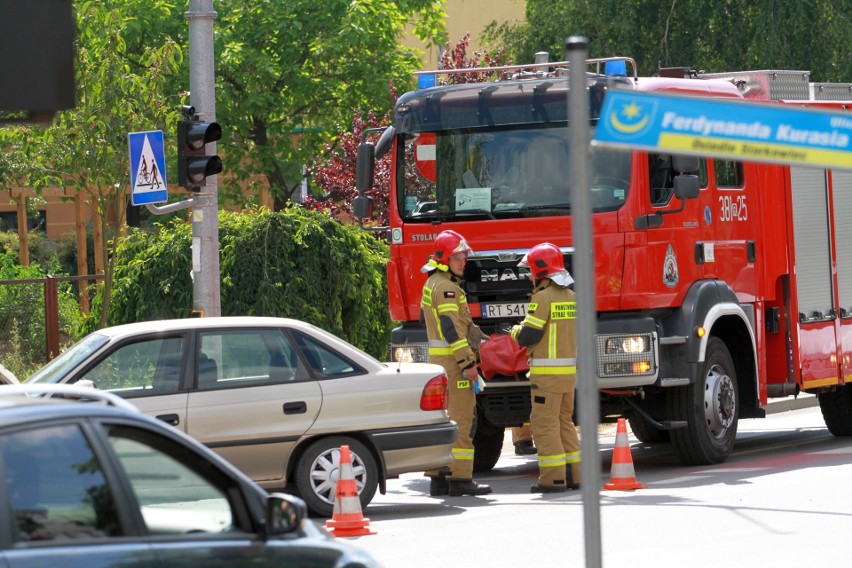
point(276, 397)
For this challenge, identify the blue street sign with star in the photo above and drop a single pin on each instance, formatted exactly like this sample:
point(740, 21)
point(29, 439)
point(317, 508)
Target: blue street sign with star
point(726, 128)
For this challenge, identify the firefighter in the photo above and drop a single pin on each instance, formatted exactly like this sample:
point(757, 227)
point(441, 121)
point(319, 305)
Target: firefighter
point(448, 326)
point(548, 332)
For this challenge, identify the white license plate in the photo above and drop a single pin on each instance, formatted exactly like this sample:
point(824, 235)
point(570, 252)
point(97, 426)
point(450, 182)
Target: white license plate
point(504, 310)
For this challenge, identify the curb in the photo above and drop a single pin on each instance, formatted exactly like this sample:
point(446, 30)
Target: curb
point(784, 405)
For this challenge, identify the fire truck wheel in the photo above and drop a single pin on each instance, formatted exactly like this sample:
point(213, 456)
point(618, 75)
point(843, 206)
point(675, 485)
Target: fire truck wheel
point(644, 432)
point(710, 408)
point(836, 406)
point(487, 446)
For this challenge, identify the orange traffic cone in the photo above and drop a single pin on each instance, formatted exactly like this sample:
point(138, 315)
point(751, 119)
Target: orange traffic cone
point(621, 475)
point(347, 519)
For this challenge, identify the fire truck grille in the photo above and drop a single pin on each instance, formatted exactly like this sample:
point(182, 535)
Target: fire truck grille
point(506, 408)
point(492, 280)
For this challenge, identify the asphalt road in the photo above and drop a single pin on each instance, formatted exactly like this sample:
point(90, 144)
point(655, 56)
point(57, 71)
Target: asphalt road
point(779, 501)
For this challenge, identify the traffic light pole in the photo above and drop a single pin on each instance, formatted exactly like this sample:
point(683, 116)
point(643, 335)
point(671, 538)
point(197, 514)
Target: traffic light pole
point(205, 219)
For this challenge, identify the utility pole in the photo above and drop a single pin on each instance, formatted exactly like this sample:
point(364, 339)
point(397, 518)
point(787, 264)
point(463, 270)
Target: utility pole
point(583, 266)
point(205, 212)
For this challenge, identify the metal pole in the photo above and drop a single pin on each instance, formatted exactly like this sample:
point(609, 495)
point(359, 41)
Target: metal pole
point(205, 220)
point(583, 266)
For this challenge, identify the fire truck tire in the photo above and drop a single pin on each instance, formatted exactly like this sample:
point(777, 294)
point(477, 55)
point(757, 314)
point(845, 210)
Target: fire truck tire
point(644, 432)
point(836, 409)
point(710, 408)
point(487, 446)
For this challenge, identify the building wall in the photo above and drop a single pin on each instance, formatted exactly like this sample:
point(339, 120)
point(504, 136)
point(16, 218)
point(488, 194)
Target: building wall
point(58, 208)
point(468, 16)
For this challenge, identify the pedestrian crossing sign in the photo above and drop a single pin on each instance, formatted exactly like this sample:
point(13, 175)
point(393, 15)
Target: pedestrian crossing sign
point(147, 167)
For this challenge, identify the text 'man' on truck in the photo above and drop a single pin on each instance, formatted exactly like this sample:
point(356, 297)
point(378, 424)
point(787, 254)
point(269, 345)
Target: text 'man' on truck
point(709, 301)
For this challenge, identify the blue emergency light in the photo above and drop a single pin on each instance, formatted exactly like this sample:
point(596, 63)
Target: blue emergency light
point(425, 81)
point(616, 68)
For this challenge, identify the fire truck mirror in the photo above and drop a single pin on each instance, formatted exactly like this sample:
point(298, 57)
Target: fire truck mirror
point(385, 142)
point(365, 166)
point(362, 207)
point(686, 186)
point(684, 164)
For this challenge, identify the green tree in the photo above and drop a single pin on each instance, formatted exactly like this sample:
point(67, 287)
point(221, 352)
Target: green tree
point(289, 74)
point(292, 263)
point(715, 36)
point(88, 145)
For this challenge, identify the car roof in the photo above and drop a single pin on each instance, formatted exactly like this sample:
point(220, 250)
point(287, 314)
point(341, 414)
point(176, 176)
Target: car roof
point(155, 326)
point(22, 403)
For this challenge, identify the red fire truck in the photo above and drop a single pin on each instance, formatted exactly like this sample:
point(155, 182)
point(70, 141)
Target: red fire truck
point(709, 301)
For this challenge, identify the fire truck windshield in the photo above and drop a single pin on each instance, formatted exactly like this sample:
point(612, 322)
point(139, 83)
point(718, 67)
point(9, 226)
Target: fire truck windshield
point(501, 173)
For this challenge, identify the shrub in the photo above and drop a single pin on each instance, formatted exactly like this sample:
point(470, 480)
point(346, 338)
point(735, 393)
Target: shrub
point(293, 263)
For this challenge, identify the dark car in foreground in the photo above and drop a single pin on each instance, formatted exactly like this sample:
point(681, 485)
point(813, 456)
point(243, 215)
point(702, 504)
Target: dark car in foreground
point(87, 484)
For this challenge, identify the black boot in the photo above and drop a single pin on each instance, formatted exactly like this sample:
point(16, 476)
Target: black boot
point(569, 478)
point(539, 488)
point(439, 486)
point(459, 487)
point(525, 448)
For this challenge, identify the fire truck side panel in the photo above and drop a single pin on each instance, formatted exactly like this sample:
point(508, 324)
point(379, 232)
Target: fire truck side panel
point(813, 279)
point(841, 183)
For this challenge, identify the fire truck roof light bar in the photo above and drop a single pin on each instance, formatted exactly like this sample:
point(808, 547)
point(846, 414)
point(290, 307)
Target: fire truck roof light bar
point(427, 78)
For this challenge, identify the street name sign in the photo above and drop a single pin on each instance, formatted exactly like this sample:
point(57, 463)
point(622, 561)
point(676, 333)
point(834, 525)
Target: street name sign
point(726, 128)
point(147, 167)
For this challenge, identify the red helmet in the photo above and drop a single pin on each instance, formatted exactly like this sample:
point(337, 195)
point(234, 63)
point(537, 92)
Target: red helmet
point(545, 261)
point(446, 244)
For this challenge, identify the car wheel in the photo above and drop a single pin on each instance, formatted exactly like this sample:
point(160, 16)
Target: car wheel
point(318, 470)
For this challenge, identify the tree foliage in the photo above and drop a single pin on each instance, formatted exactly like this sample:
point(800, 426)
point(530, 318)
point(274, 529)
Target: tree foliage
point(86, 147)
point(288, 73)
point(292, 263)
point(334, 172)
point(718, 36)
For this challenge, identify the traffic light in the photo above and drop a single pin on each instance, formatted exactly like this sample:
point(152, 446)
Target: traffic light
point(193, 164)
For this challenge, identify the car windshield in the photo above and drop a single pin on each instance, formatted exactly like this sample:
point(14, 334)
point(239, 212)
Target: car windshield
point(69, 359)
point(502, 173)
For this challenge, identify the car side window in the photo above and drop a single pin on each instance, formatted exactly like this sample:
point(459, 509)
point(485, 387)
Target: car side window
point(323, 360)
point(55, 486)
point(252, 357)
point(173, 496)
point(141, 368)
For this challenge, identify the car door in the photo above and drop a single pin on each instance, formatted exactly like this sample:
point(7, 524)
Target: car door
point(149, 371)
point(58, 508)
point(253, 400)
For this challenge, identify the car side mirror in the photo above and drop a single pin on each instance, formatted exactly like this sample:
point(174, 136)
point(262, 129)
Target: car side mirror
point(284, 514)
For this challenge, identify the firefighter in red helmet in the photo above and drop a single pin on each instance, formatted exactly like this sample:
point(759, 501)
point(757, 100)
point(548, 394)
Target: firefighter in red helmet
point(453, 340)
point(549, 333)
